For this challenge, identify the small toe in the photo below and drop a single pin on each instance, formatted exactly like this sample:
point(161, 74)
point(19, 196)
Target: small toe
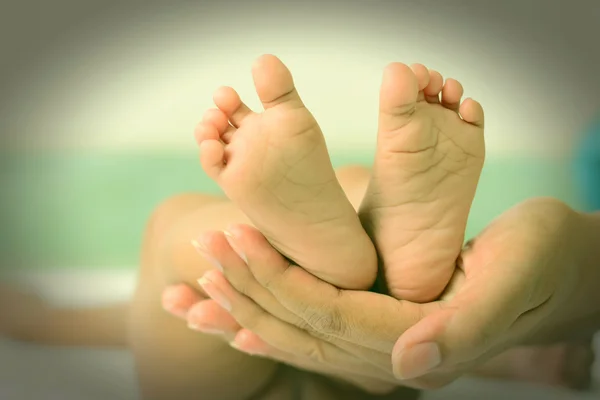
point(422, 74)
point(216, 117)
point(228, 134)
point(228, 101)
point(274, 83)
point(472, 112)
point(433, 89)
point(206, 131)
point(451, 94)
point(212, 157)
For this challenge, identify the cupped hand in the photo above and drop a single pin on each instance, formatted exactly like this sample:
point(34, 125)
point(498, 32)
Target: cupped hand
point(297, 336)
point(520, 282)
point(209, 316)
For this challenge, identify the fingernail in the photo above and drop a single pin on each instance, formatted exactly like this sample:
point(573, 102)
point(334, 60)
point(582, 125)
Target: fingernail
point(174, 310)
point(417, 360)
point(205, 329)
point(238, 348)
point(214, 293)
point(232, 242)
point(171, 304)
point(201, 248)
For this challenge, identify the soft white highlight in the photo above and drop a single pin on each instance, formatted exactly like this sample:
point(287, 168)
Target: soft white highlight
point(142, 82)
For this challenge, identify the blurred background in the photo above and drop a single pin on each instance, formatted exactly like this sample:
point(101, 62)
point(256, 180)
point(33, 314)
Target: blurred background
point(98, 101)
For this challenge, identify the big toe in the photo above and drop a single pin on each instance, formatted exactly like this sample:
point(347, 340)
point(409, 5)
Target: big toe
point(399, 89)
point(398, 95)
point(274, 83)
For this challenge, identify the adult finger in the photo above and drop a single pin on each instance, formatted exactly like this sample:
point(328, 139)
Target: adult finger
point(178, 299)
point(209, 317)
point(282, 335)
point(370, 320)
point(201, 313)
point(488, 314)
point(220, 247)
point(250, 343)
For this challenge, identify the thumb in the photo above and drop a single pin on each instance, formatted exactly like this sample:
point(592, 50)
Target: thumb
point(477, 322)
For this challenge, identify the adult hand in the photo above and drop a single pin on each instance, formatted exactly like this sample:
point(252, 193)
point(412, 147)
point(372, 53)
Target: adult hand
point(531, 277)
point(523, 275)
point(285, 336)
point(213, 317)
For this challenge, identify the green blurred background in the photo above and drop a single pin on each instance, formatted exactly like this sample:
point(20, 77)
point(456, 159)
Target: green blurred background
point(101, 99)
point(88, 209)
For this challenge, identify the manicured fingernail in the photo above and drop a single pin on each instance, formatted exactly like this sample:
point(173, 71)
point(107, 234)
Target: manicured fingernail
point(417, 360)
point(232, 242)
point(171, 303)
point(214, 293)
point(252, 353)
point(173, 310)
point(201, 248)
point(205, 329)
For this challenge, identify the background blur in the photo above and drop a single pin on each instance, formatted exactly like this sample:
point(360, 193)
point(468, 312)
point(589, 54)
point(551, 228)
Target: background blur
point(98, 101)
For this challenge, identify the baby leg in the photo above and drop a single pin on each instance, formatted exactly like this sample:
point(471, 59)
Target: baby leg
point(172, 360)
point(276, 167)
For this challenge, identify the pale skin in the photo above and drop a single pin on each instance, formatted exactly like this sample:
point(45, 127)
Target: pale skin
point(430, 152)
point(550, 294)
point(230, 139)
point(170, 357)
point(169, 260)
point(275, 166)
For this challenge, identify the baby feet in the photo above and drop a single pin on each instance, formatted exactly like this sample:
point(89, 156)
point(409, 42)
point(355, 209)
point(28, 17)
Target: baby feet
point(429, 157)
point(275, 166)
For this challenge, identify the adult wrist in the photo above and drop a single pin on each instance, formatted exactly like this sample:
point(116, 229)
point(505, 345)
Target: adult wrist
point(580, 316)
point(590, 261)
point(577, 315)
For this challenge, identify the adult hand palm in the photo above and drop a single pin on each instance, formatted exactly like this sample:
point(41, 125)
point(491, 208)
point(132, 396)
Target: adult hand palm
point(514, 276)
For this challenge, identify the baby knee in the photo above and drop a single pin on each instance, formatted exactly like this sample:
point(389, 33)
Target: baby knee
point(166, 214)
point(167, 244)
